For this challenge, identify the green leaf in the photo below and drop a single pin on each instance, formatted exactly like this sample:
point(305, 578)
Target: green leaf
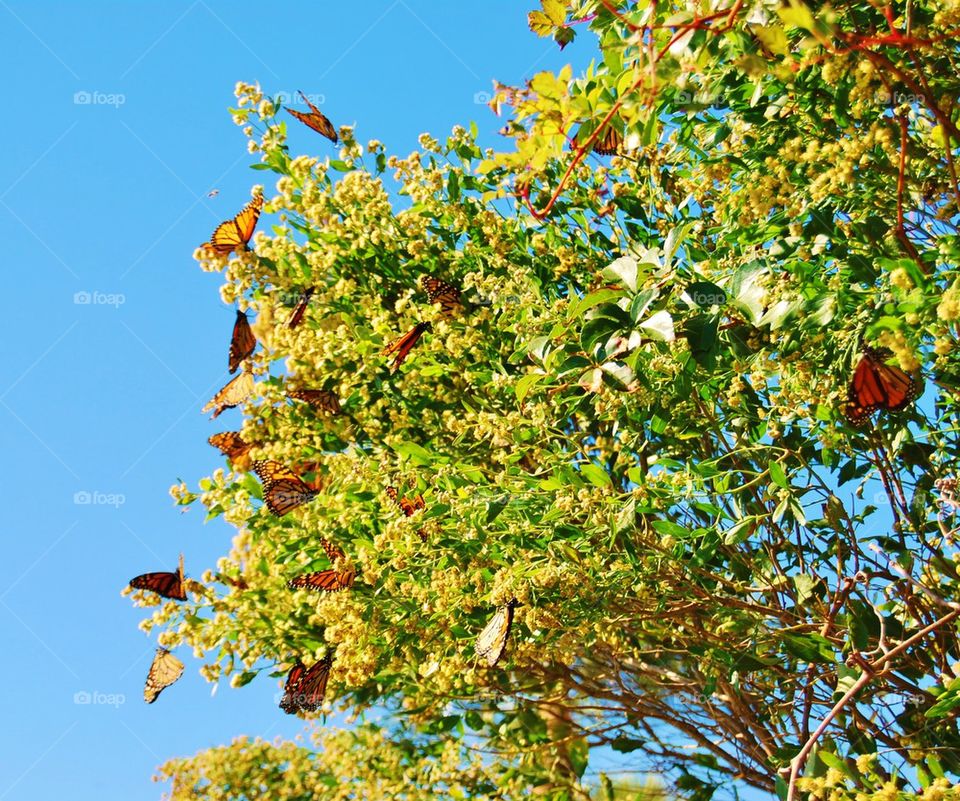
point(623, 270)
point(415, 453)
point(596, 475)
point(777, 476)
point(526, 383)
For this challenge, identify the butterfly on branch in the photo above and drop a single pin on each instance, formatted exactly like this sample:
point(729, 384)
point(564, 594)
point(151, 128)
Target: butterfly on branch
point(444, 293)
point(236, 391)
point(877, 385)
point(322, 399)
point(301, 308)
point(283, 490)
point(492, 641)
point(167, 585)
point(164, 671)
point(234, 447)
point(400, 348)
point(242, 341)
point(409, 507)
point(326, 580)
point(234, 234)
point(305, 687)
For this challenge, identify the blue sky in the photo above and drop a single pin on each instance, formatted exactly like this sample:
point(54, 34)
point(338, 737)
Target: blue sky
point(109, 198)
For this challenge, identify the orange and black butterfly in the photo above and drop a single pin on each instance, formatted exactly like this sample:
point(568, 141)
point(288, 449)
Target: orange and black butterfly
point(305, 687)
point(234, 447)
point(283, 490)
point(236, 391)
point(316, 120)
point(408, 507)
point(164, 671)
point(169, 585)
point(242, 342)
point(326, 580)
point(234, 234)
point(301, 308)
point(402, 346)
point(322, 399)
point(608, 144)
point(877, 385)
point(444, 293)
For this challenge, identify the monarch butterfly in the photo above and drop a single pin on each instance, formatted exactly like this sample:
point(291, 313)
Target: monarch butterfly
point(233, 446)
point(322, 399)
point(305, 688)
point(444, 293)
point(234, 234)
point(877, 385)
point(164, 671)
point(242, 342)
point(169, 585)
point(316, 119)
point(283, 490)
point(607, 145)
point(408, 507)
point(402, 346)
point(301, 307)
point(236, 391)
point(324, 581)
point(492, 641)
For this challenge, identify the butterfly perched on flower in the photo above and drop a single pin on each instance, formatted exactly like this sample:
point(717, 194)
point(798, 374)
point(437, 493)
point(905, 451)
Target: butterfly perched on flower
point(400, 348)
point(305, 687)
point(164, 671)
point(316, 120)
point(234, 234)
point(234, 447)
point(608, 144)
point(235, 392)
point(492, 641)
point(444, 293)
point(167, 585)
point(326, 580)
point(877, 385)
point(283, 490)
point(322, 399)
point(301, 308)
point(408, 507)
point(242, 341)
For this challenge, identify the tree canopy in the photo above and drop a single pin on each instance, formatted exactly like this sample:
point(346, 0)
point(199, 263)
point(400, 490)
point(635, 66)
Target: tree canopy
point(631, 426)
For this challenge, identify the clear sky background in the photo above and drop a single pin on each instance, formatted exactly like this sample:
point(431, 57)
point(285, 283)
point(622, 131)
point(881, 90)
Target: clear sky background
point(104, 398)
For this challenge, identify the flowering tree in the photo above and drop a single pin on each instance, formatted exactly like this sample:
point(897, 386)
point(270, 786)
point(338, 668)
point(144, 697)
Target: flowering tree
point(634, 424)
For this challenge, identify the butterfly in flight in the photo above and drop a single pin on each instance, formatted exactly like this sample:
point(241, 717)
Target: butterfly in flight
point(403, 345)
point(242, 341)
point(492, 641)
point(164, 671)
point(168, 585)
point(408, 507)
point(325, 580)
point(322, 399)
point(236, 391)
point(301, 308)
point(305, 688)
point(877, 385)
point(234, 234)
point(283, 490)
point(444, 293)
point(234, 447)
point(316, 120)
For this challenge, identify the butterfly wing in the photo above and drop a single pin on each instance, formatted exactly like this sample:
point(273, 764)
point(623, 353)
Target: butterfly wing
point(400, 348)
point(492, 641)
point(233, 394)
point(316, 120)
point(169, 585)
point(242, 342)
point(322, 399)
point(164, 671)
point(301, 307)
point(332, 550)
point(610, 143)
point(876, 385)
point(234, 234)
point(444, 293)
point(283, 490)
point(305, 688)
point(230, 444)
point(294, 677)
point(324, 581)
